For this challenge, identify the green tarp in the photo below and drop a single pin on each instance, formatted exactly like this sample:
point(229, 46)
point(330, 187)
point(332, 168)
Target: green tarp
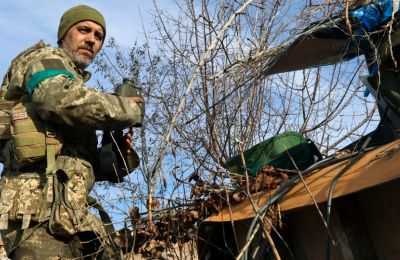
point(276, 152)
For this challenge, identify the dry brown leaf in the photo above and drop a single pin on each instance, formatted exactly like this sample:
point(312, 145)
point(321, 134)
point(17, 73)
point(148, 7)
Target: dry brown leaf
point(134, 213)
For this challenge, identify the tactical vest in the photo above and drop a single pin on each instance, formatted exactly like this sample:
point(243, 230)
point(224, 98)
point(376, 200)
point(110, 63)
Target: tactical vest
point(27, 139)
point(32, 140)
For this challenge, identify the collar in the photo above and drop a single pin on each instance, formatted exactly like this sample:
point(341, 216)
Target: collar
point(85, 74)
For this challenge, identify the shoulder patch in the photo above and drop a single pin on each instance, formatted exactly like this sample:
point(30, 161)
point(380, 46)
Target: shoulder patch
point(19, 116)
point(52, 64)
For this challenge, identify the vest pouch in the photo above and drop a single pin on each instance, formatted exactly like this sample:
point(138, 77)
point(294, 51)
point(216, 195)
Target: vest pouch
point(21, 199)
point(31, 138)
point(69, 209)
point(9, 191)
point(61, 220)
point(5, 119)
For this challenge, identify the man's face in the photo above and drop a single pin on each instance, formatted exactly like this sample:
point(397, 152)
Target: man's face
point(82, 42)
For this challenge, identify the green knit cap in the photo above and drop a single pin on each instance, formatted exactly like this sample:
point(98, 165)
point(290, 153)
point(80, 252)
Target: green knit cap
point(78, 14)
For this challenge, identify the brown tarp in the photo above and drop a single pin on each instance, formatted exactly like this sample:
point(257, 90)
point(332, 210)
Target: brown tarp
point(323, 43)
point(311, 52)
point(375, 167)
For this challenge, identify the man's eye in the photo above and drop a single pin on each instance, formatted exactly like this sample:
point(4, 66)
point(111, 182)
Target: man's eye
point(83, 30)
point(99, 37)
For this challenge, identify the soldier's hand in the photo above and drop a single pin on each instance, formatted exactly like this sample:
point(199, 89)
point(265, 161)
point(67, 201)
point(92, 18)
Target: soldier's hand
point(126, 142)
point(137, 99)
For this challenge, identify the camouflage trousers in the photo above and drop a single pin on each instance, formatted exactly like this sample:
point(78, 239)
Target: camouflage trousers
point(42, 245)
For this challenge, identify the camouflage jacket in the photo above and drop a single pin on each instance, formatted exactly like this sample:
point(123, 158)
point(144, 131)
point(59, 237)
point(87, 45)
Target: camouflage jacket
point(57, 89)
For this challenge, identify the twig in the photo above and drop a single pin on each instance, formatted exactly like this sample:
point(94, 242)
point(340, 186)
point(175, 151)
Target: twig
point(190, 86)
point(312, 198)
point(256, 209)
point(347, 20)
point(394, 10)
point(344, 137)
point(248, 242)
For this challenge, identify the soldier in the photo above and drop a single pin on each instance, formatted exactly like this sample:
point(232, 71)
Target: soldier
point(49, 148)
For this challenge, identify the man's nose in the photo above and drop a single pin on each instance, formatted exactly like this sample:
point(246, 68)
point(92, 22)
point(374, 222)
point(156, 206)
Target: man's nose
point(90, 38)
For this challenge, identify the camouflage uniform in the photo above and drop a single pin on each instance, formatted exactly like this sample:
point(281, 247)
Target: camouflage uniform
point(53, 196)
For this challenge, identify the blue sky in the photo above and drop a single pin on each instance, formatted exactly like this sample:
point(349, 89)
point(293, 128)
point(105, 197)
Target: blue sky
point(24, 22)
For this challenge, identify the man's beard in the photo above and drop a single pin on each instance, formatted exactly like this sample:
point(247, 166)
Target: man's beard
point(81, 62)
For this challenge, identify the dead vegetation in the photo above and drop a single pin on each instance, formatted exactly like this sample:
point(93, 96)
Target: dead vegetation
point(175, 228)
point(207, 99)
